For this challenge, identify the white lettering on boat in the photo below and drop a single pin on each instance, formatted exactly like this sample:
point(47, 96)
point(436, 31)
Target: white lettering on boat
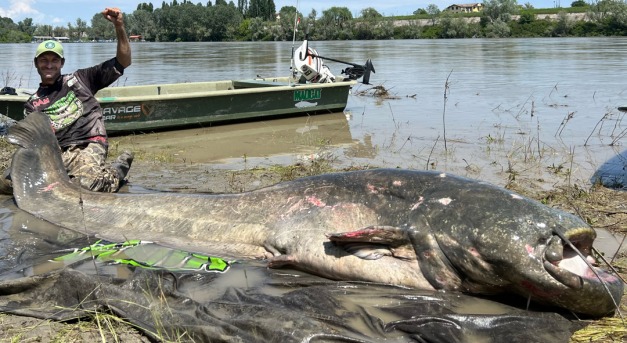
point(122, 109)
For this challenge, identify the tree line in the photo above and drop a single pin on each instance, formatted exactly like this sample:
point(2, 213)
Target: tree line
point(257, 20)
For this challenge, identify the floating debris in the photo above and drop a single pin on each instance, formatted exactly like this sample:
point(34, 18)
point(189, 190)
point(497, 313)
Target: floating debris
point(377, 92)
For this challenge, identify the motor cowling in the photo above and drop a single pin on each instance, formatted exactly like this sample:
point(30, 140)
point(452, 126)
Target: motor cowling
point(310, 66)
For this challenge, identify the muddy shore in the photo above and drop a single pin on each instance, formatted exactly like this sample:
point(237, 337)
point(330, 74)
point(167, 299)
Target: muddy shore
point(601, 207)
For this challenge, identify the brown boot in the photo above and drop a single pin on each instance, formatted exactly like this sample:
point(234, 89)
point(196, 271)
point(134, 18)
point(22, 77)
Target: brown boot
point(123, 163)
point(6, 187)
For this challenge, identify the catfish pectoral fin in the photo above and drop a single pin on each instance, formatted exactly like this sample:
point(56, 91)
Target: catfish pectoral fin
point(366, 251)
point(282, 261)
point(383, 234)
point(374, 242)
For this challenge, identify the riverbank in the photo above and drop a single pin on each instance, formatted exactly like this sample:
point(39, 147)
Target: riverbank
point(601, 207)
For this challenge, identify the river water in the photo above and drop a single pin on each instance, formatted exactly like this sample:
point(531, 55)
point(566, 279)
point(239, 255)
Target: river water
point(484, 108)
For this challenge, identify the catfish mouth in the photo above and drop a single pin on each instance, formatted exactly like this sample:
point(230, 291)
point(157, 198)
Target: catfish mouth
point(568, 258)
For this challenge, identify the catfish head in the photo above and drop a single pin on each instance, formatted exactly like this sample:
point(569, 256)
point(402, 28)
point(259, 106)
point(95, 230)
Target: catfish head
point(487, 240)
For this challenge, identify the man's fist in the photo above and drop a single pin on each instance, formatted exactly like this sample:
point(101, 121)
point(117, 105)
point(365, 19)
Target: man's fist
point(111, 13)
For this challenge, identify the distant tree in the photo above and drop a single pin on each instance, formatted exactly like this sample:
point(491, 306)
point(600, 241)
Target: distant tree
point(71, 32)
point(250, 29)
point(142, 22)
point(410, 31)
point(145, 7)
point(7, 23)
point(454, 27)
point(384, 29)
point(270, 10)
point(499, 9)
point(264, 9)
point(60, 31)
point(420, 11)
point(610, 15)
point(527, 16)
point(101, 28)
point(497, 29)
point(44, 30)
point(370, 13)
point(199, 20)
point(433, 11)
point(309, 24)
point(371, 25)
point(11, 33)
point(254, 9)
point(287, 16)
point(223, 22)
point(26, 26)
point(81, 28)
point(564, 24)
point(242, 6)
point(335, 23)
point(337, 16)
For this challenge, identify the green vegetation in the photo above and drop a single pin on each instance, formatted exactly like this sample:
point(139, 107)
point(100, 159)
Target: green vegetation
point(257, 20)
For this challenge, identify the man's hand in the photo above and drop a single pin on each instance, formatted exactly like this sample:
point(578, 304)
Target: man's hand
point(123, 55)
point(114, 15)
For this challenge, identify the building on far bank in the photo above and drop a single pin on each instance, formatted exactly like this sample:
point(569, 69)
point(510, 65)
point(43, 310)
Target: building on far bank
point(39, 39)
point(465, 8)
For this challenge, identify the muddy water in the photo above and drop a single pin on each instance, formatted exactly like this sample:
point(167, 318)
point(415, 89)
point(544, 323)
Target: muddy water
point(545, 109)
point(268, 142)
point(485, 108)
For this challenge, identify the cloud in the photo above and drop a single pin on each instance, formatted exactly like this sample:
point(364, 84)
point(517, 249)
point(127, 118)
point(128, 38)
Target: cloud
point(18, 9)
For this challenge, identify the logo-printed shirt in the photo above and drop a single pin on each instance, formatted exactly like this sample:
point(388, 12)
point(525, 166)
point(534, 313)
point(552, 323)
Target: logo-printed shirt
point(74, 112)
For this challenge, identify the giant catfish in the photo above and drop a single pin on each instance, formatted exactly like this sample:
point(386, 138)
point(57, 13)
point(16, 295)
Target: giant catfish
point(420, 229)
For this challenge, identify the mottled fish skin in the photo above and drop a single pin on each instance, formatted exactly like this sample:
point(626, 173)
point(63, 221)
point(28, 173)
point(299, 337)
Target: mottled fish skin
point(420, 229)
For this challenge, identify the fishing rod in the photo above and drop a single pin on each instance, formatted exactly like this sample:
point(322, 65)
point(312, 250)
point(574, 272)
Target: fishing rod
point(357, 71)
point(293, 42)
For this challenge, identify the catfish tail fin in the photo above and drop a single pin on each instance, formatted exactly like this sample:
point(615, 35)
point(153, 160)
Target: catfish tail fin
point(36, 128)
point(37, 165)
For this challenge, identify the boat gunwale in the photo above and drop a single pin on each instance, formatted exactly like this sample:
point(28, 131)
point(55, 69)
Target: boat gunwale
point(217, 93)
point(199, 94)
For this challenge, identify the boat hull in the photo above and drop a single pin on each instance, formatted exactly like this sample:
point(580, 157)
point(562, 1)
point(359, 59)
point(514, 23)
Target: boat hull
point(136, 109)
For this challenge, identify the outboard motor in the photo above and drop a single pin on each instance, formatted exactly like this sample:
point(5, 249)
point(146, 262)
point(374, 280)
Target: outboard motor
point(310, 66)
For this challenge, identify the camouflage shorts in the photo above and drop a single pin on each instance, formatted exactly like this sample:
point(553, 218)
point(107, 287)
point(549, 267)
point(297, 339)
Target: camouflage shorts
point(86, 163)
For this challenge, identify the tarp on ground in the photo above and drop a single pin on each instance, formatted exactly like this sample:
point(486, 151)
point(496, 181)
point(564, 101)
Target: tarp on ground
point(249, 302)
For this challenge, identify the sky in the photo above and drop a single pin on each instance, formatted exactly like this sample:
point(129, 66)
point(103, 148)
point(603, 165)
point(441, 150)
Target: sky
point(62, 12)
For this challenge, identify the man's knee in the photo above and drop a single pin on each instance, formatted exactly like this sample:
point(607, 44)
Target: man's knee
point(88, 168)
point(105, 181)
